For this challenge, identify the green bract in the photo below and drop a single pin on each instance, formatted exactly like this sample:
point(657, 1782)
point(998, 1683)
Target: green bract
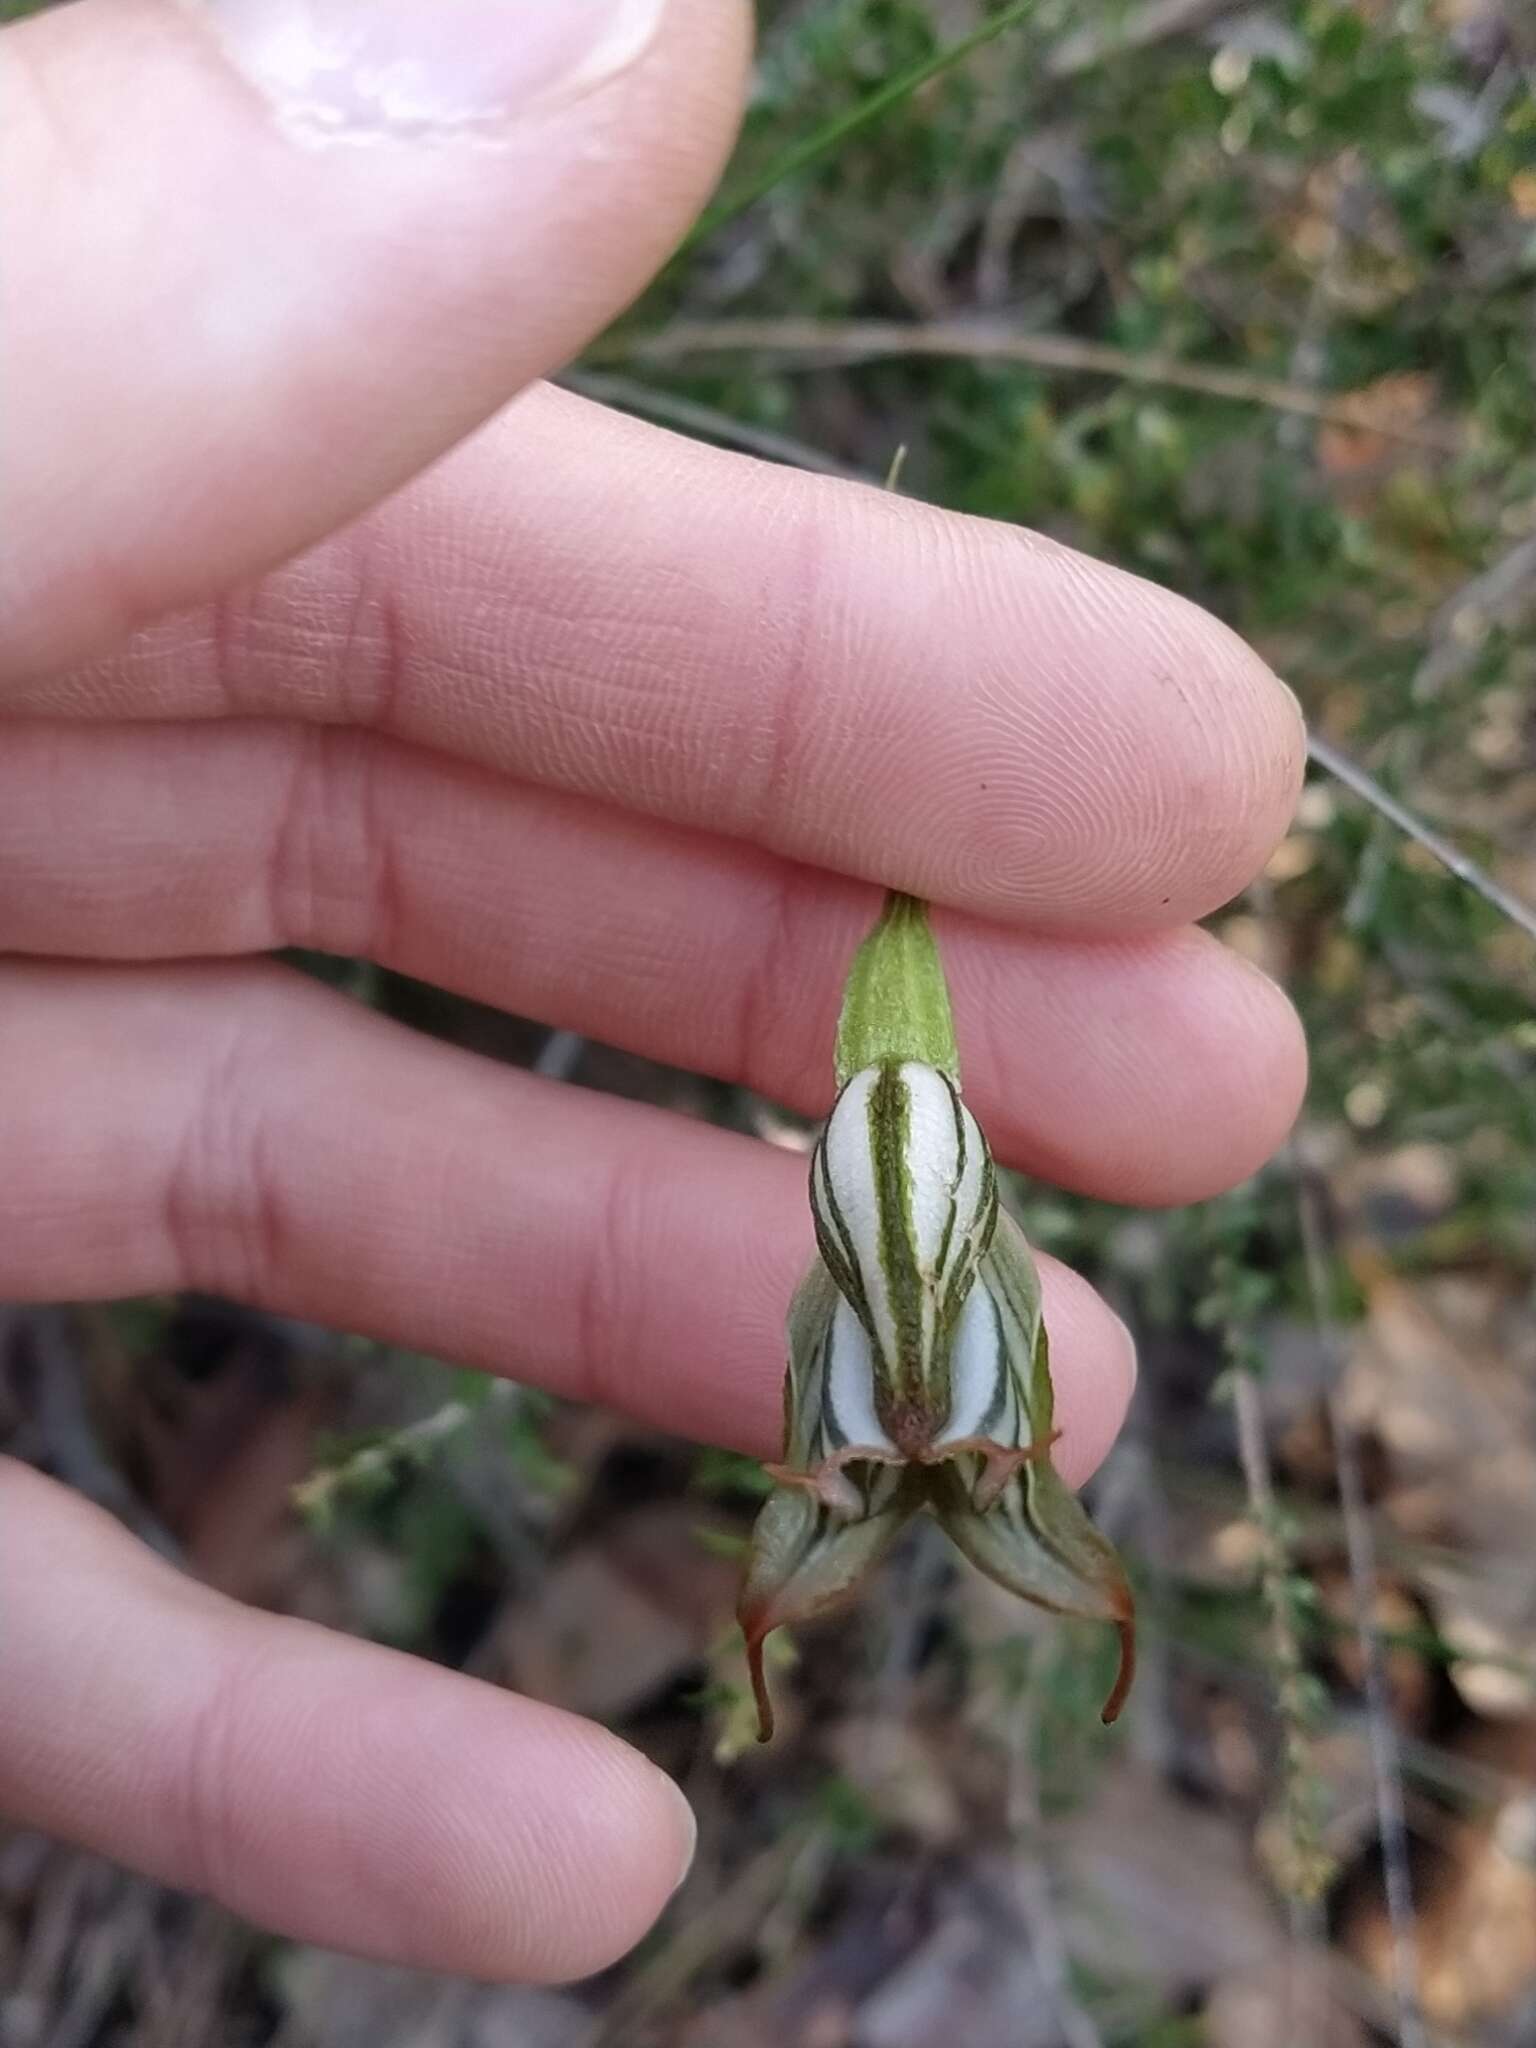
point(919, 1375)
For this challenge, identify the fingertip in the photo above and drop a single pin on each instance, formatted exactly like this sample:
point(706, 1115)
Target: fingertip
point(1239, 1085)
point(491, 1836)
point(1231, 1073)
point(1042, 739)
point(1223, 752)
point(1247, 776)
point(331, 1790)
point(617, 1846)
point(1150, 1070)
point(1269, 1024)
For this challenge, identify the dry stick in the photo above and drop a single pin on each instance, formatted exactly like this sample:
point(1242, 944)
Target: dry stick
point(1501, 594)
point(1360, 1551)
point(672, 409)
point(1450, 856)
point(813, 342)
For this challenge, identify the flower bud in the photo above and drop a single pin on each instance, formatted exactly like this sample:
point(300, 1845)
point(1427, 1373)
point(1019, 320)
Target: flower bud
point(919, 1374)
point(905, 1201)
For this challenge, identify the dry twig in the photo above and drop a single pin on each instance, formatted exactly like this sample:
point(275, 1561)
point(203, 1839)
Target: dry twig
point(809, 344)
point(1450, 856)
point(1360, 1552)
point(673, 410)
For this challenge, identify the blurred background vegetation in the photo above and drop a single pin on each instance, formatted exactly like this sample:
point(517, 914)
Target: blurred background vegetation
point(1242, 297)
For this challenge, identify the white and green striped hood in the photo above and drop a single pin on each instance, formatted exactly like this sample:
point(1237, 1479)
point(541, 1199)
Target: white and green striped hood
point(905, 1201)
point(919, 1375)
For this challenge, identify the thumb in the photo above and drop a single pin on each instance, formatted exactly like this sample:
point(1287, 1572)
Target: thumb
point(267, 258)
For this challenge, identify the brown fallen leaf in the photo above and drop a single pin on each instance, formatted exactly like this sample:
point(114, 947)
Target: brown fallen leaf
point(1281, 2004)
point(1404, 399)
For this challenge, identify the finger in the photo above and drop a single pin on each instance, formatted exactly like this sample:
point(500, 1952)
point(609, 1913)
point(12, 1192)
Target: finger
point(265, 258)
point(1154, 1069)
point(852, 680)
point(331, 1790)
point(243, 1131)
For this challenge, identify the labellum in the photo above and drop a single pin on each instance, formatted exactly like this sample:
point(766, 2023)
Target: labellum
point(919, 1373)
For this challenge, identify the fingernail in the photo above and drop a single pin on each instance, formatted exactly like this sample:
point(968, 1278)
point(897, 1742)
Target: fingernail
point(369, 70)
point(688, 1827)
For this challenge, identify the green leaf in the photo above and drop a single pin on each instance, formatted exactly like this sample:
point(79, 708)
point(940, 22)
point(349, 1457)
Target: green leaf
point(806, 1558)
point(1035, 1538)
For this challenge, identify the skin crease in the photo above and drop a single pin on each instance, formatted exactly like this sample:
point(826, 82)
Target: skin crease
point(319, 625)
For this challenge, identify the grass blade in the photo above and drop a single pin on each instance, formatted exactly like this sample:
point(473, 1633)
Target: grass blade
point(870, 108)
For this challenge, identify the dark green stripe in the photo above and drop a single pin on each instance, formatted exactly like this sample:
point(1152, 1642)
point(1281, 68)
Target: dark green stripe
point(839, 1256)
point(999, 1405)
point(989, 1204)
point(832, 1433)
point(890, 1123)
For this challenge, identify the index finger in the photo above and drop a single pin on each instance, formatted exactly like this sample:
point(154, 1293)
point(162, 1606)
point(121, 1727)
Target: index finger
point(946, 704)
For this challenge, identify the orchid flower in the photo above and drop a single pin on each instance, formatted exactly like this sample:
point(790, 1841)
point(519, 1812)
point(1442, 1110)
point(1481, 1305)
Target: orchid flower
point(919, 1375)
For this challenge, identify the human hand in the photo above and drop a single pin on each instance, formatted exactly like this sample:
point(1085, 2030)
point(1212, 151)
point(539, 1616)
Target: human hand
point(585, 721)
